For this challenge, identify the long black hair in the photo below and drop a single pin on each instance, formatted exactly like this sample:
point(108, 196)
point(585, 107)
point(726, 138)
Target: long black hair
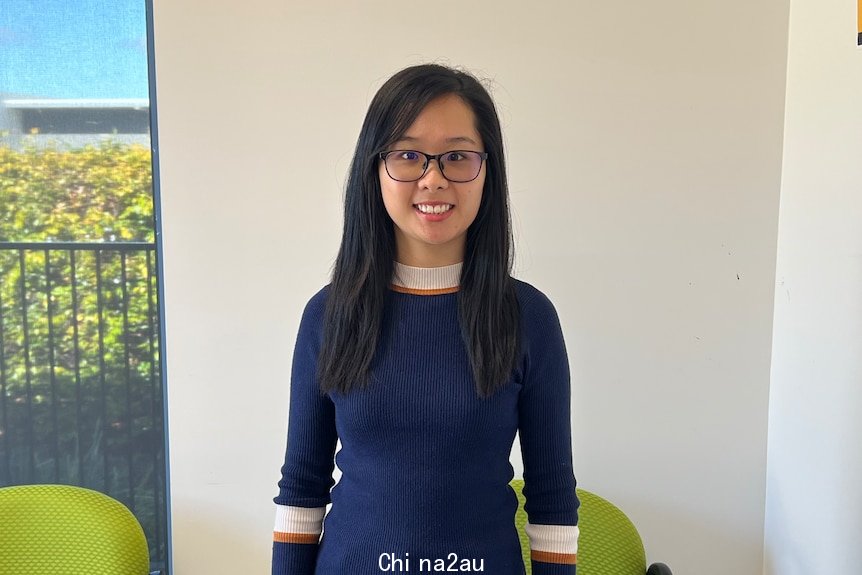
point(487, 303)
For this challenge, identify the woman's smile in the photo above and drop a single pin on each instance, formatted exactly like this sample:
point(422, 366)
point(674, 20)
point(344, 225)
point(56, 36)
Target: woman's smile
point(434, 211)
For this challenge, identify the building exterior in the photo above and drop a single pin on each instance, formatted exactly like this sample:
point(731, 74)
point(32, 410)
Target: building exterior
point(72, 123)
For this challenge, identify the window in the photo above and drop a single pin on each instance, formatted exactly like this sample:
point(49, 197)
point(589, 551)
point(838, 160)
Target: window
point(81, 384)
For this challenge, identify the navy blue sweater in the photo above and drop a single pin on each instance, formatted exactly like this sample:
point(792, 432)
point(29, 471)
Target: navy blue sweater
point(424, 460)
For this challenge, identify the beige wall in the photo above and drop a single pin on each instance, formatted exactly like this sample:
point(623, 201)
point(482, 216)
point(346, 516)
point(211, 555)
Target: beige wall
point(814, 507)
point(645, 163)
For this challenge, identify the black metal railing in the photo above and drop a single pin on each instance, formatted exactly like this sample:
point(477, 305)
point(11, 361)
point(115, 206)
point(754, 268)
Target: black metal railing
point(81, 397)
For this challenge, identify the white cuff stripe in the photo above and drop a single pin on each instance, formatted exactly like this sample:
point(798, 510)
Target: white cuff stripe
point(553, 538)
point(304, 520)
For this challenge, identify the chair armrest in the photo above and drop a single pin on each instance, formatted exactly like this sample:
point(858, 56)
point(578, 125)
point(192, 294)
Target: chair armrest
point(658, 569)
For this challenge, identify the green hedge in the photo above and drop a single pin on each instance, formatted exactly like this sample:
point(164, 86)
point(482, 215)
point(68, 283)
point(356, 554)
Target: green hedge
point(96, 193)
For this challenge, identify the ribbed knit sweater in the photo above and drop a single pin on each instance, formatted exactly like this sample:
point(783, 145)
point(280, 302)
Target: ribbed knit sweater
point(424, 460)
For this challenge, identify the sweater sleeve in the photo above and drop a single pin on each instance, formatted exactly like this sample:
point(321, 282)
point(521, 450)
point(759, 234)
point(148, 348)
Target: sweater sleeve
point(306, 476)
point(546, 440)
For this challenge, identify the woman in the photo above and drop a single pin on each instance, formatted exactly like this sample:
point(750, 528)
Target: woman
point(424, 357)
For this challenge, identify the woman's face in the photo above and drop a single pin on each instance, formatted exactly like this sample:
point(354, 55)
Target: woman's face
point(432, 214)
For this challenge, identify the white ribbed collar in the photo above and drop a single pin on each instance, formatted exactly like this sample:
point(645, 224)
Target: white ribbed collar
point(426, 281)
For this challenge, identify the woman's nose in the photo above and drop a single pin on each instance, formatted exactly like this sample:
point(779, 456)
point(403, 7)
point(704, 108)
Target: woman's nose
point(433, 178)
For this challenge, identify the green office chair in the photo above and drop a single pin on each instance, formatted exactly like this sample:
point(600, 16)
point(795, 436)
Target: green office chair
point(66, 530)
point(608, 543)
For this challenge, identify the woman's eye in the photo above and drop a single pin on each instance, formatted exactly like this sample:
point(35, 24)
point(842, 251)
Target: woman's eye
point(454, 156)
point(411, 156)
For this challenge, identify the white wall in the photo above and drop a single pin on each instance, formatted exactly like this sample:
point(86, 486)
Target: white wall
point(814, 506)
point(645, 163)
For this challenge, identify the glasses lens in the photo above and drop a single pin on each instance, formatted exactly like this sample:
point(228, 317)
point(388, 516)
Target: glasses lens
point(405, 165)
point(461, 166)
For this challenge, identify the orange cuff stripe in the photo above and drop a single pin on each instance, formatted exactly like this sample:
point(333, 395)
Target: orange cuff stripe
point(304, 538)
point(548, 557)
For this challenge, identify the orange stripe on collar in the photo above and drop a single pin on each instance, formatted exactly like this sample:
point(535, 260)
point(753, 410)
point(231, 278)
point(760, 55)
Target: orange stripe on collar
point(415, 291)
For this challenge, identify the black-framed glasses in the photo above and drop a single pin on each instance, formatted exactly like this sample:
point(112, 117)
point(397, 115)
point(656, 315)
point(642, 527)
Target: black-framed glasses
point(458, 166)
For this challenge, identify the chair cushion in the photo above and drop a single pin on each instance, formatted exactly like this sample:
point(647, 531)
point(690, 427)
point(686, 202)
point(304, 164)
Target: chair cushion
point(53, 529)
